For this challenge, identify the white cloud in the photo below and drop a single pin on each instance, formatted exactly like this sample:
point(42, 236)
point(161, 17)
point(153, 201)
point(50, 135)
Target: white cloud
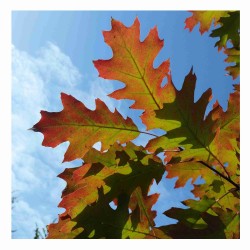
point(24, 225)
point(37, 82)
point(54, 65)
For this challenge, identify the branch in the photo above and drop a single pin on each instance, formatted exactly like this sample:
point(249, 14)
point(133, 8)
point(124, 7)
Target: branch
point(220, 174)
point(147, 133)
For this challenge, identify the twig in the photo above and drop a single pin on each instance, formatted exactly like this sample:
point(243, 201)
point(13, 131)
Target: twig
point(220, 174)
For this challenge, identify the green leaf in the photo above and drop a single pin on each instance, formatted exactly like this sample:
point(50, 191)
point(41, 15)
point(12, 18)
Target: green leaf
point(184, 122)
point(231, 220)
point(197, 222)
point(233, 56)
point(229, 30)
point(209, 139)
point(91, 187)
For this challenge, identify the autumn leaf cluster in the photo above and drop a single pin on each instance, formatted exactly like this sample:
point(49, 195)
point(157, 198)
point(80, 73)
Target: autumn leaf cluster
point(194, 145)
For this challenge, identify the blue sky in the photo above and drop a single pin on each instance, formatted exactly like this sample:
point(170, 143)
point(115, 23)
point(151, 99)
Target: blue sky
point(52, 52)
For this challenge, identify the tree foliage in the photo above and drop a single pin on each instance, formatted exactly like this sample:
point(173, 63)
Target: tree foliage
point(228, 33)
point(122, 173)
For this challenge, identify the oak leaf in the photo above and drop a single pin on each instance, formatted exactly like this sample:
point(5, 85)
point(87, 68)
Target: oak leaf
point(183, 120)
point(63, 229)
point(228, 31)
point(141, 217)
point(83, 127)
point(132, 64)
point(231, 220)
point(197, 222)
point(205, 18)
point(204, 219)
point(233, 56)
point(208, 139)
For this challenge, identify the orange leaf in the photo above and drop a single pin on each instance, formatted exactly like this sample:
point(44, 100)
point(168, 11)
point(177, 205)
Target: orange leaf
point(141, 220)
point(63, 229)
point(233, 57)
point(205, 18)
point(132, 64)
point(185, 171)
point(226, 140)
point(83, 127)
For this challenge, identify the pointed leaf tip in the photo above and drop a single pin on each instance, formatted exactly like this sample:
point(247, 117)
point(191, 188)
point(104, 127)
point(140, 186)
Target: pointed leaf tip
point(34, 129)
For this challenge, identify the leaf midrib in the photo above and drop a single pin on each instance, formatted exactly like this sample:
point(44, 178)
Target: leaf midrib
point(143, 79)
point(196, 138)
point(131, 230)
point(141, 203)
point(141, 75)
point(99, 127)
point(210, 207)
point(229, 121)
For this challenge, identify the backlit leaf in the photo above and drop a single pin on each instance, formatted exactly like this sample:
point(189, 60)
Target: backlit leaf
point(204, 219)
point(141, 220)
point(233, 56)
point(184, 120)
point(83, 127)
point(91, 187)
point(231, 221)
point(132, 64)
point(208, 139)
point(205, 18)
point(63, 229)
point(229, 30)
point(197, 222)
